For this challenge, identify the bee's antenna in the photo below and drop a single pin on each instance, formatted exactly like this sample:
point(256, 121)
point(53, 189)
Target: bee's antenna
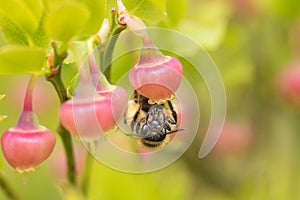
point(177, 130)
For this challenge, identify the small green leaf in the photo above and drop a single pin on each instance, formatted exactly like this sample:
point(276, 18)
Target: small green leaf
point(21, 59)
point(36, 8)
point(97, 10)
point(70, 77)
point(72, 86)
point(151, 11)
point(40, 38)
point(66, 21)
point(19, 14)
point(12, 33)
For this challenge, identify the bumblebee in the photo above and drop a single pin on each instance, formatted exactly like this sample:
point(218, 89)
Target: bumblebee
point(150, 122)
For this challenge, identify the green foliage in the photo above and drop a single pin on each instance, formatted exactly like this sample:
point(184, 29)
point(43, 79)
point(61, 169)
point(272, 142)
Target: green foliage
point(96, 9)
point(76, 19)
point(12, 33)
point(25, 27)
point(70, 77)
point(19, 14)
point(36, 7)
point(66, 21)
point(20, 59)
point(39, 37)
point(24, 22)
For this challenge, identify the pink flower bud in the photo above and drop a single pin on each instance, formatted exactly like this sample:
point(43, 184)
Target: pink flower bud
point(156, 76)
point(28, 144)
point(90, 115)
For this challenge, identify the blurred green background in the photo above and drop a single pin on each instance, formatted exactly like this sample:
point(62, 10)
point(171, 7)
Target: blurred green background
point(258, 155)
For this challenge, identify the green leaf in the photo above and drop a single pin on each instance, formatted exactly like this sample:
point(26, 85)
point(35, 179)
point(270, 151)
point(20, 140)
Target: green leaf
point(66, 21)
point(50, 4)
point(151, 11)
point(72, 86)
point(12, 33)
point(40, 38)
point(97, 13)
point(96, 10)
point(19, 14)
point(36, 8)
point(15, 35)
point(175, 10)
point(21, 59)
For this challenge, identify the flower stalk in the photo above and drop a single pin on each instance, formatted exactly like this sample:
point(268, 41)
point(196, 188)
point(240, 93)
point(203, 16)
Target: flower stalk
point(55, 79)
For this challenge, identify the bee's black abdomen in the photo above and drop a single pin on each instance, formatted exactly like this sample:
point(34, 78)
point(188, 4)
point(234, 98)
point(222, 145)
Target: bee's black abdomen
point(156, 138)
point(150, 144)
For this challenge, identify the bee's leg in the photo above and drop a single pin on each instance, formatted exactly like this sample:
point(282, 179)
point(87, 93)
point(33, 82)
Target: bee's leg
point(170, 120)
point(136, 115)
point(139, 131)
point(139, 126)
point(174, 114)
point(136, 97)
point(167, 127)
point(124, 116)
